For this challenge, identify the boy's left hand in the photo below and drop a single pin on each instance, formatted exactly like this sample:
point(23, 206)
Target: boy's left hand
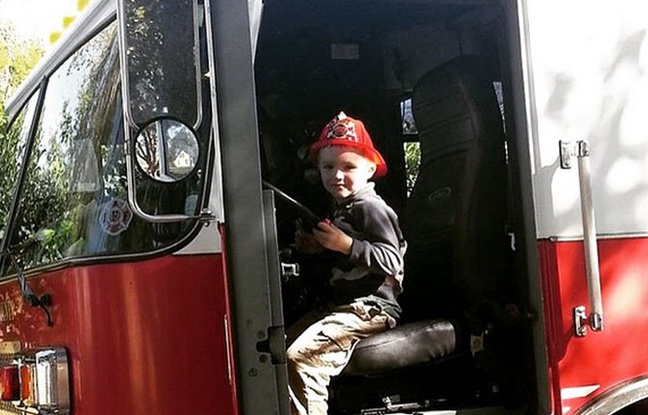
point(332, 237)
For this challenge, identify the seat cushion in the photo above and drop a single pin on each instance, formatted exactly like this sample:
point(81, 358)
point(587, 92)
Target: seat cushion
point(404, 346)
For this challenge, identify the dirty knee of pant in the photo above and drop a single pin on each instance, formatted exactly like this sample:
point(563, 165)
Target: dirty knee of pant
point(303, 357)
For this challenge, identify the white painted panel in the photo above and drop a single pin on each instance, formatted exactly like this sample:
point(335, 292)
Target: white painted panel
point(589, 65)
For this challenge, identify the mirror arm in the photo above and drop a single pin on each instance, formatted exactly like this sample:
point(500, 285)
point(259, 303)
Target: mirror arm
point(123, 66)
point(199, 107)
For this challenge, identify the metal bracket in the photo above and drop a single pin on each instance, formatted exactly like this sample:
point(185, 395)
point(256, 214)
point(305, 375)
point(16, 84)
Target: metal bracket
point(567, 152)
point(580, 321)
point(206, 216)
point(289, 270)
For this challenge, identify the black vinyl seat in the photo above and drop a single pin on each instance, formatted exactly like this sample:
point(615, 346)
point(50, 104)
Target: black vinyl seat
point(408, 345)
point(454, 222)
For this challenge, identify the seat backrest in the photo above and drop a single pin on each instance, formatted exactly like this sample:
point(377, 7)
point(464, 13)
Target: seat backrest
point(454, 220)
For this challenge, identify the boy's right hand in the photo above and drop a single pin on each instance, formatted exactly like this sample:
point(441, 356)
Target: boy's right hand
point(306, 243)
point(331, 237)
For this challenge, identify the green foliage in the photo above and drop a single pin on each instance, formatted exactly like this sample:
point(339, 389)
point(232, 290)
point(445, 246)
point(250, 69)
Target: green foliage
point(412, 162)
point(17, 58)
point(8, 145)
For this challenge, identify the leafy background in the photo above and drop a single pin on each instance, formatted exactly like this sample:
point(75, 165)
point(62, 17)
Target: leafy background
point(17, 57)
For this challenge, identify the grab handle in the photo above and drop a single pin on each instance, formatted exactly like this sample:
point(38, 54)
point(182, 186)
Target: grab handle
point(595, 319)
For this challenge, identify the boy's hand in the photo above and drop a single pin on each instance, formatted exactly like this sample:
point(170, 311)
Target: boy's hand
point(306, 243)
point(331, 237)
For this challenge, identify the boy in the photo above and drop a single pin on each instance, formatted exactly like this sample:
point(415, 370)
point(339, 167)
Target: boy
point(367, 275)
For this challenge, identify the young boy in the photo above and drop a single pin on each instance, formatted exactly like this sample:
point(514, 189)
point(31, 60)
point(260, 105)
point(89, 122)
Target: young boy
point(368, 267)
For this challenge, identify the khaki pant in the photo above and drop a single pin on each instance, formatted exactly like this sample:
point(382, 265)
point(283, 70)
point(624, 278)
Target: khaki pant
point(324, 341)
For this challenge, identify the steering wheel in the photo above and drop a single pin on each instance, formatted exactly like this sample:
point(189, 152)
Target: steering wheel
point(301, 291)
point(310, 219)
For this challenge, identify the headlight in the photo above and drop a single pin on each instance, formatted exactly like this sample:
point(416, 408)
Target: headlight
point(36, 381)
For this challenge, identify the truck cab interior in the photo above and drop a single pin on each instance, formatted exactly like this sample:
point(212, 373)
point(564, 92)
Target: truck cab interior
point(431, 81)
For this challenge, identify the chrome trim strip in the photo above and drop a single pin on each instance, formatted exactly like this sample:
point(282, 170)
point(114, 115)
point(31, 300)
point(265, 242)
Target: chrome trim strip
point(575, 238)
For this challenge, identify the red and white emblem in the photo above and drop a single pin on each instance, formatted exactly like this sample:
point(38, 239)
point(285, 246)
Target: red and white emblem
point(115, 216)
point(343, 129)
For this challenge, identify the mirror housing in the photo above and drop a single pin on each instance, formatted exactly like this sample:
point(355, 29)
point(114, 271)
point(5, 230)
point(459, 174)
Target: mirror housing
point(160, 60)
point(161, 81)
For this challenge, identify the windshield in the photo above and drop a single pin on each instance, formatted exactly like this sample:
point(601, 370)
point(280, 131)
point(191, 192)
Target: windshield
point(12, 152)
point(74, 201)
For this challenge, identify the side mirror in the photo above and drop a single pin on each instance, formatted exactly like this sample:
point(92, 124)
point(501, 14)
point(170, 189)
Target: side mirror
point(161, 92)
point(166, 150)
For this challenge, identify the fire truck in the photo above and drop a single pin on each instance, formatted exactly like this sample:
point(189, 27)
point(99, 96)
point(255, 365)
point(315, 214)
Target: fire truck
point(156, 166)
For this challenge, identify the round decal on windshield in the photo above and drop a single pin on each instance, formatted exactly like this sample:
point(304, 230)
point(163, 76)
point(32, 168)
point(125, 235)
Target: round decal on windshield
point(115, 217)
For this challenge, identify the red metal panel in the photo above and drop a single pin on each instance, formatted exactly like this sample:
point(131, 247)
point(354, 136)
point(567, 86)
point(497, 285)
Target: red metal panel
point(599, 360)
point(142, 337)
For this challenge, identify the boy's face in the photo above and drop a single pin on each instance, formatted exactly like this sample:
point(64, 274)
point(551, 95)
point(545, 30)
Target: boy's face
point(344, 170)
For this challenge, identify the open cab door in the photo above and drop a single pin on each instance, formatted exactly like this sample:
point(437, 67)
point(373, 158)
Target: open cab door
point(587, 78)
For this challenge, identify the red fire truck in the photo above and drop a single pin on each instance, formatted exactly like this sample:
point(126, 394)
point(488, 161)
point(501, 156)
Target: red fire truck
point(156, 165)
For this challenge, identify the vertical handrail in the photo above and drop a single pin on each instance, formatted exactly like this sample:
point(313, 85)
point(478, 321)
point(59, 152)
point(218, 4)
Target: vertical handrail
point(589, 237)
